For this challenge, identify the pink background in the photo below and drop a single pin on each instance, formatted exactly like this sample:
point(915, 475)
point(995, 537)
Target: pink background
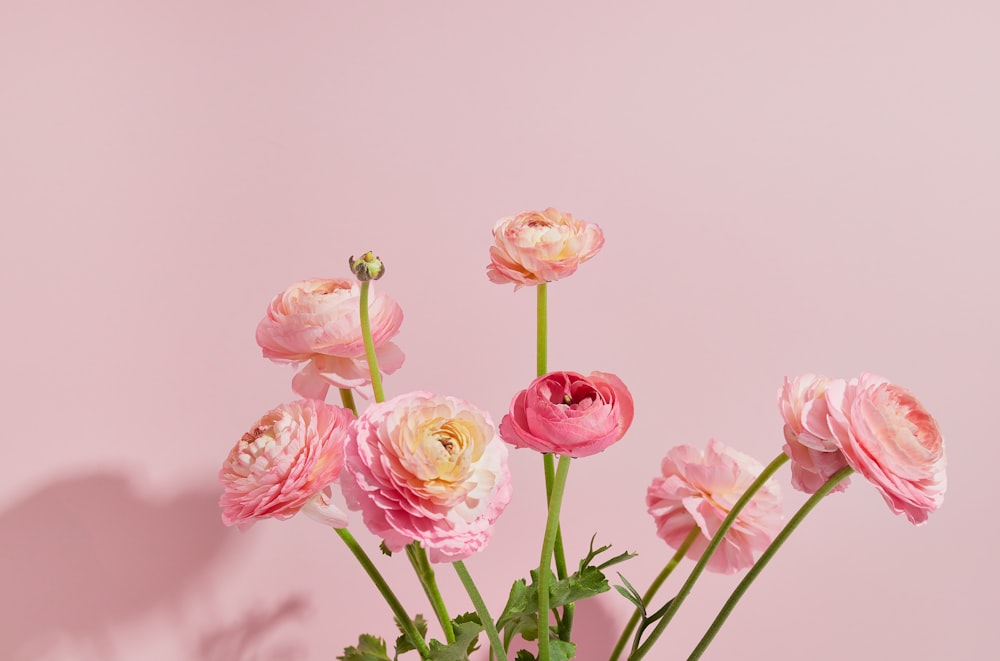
point(784, 186)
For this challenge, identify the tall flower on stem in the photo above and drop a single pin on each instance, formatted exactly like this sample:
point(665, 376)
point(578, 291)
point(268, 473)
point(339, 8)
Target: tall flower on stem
point(575, 416)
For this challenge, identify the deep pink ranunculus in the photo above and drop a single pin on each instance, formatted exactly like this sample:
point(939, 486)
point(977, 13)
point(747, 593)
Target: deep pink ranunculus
point(569, 414)
point(696, 489)
point(318, 322)
point(540, 246)
point(887, 436)
point(809, 443)
point(427, 468)
point(286, 463)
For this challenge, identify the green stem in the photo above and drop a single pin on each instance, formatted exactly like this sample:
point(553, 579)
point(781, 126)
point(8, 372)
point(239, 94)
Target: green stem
point(397, 608)
point(542, 316)
point(484, 614)
point(727, 523)
point(765, 557)
point(544, 564)
point(366, 332)
point(347, 399)
point(418, 558)
point(651, 591)
point(541, 367)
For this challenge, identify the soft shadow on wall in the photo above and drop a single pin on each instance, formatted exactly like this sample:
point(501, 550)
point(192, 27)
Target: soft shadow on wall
point(85, 554)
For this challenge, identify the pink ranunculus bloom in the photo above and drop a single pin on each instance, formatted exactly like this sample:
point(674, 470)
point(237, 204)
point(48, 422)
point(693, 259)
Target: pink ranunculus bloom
point(809, 443)
point(698, 488)
point(318, 322)
point(888, 437)
point(427, 468)
point(569, 414)
point(535, 247)
point(287, 463)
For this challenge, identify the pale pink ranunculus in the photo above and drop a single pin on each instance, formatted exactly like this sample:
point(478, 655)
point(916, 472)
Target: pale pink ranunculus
point(809, 443)
point(888, 437)
point(540, 246)
point(287, 463)
point(427, 468)
point(318, 322)
point(697, 489)
point(569, 414)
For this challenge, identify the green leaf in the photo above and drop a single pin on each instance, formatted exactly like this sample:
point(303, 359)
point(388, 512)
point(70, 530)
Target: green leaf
point(384, 549)
point(561, 650)
point(631, 594)
point(525, 655)
point(466, 640)
point(370, 648)
point(403, 643)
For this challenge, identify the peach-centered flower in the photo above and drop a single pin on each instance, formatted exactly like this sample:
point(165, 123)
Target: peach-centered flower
point(887, 436)
point(286, 463)
point(698, 488)
point(569, 414)
point(427, 468)
point(809, 443)
point(318, 322)
point(540, 246)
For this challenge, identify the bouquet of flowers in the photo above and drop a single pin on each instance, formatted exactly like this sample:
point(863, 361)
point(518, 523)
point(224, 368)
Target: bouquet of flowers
point(429, 472)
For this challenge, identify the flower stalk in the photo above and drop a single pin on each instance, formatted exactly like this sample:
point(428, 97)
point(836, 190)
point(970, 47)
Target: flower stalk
point(496, 645)
point(651, 592)
point(765, 558)
point(390, 597)
point(548, 545)
point(418, 558)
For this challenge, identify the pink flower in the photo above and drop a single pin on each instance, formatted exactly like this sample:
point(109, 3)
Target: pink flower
point(809, 443)
point(569, 414)
point(698, 489)
point(319, 322)
point(887, 436)
point(535, 247)
point(286, 463)
point(428, 468)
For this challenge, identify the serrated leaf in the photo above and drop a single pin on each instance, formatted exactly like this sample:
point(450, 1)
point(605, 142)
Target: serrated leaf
point(561, 650)
point(466, 640)
point(520, 615)
point(403, 643)
point(621, 557)
point(370, 648)
point(525, 655)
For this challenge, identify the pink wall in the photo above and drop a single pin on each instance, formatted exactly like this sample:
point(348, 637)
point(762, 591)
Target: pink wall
point(784, 186)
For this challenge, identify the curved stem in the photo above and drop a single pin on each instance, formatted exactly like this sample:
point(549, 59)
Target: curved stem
point(397, 608)
point(765, 557)
point(496, 647)
point(544, 564)
point(651, 591)
point(418, 558)
point(347, 399)
point(366, 332)
point(727, 523)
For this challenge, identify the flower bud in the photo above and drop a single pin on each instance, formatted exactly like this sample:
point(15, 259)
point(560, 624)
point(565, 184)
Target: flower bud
point(367, 267)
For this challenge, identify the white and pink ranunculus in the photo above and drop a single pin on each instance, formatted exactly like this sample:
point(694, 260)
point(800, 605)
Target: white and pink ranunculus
point(318, 322)
point(809, 443)
point(540, 246)
point(697, 489)
point(285, 464)
point(428, 468)
point(887, 436)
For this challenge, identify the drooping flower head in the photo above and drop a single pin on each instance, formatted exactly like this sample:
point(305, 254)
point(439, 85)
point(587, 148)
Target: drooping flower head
point(318, 322)
point(887, 436)
point(428, 468)
point(698, 488)
point(569, 414)
point(809, 443)
point(286, 464)
point(535, 247)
